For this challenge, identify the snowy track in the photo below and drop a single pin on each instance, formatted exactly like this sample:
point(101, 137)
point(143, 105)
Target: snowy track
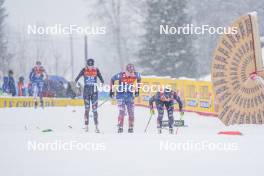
point(123, 154)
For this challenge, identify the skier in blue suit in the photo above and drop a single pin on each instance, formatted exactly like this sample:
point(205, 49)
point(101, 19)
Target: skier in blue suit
point(36, 77)
point(125, 95)
point(167, 99)
point(90, 94)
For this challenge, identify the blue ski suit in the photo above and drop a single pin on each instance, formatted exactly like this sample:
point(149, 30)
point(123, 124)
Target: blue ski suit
point(36, 78)
point(90, 93)
point(125, 95)
point(167, 99)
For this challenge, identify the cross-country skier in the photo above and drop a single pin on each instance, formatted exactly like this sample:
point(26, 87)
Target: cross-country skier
point(165, 99)
point(90, 93)
point(125, 95)
point(36, 77)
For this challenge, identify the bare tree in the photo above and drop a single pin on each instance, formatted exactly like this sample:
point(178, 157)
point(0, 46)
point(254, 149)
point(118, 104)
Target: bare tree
point(119, 16)
point(4, 57)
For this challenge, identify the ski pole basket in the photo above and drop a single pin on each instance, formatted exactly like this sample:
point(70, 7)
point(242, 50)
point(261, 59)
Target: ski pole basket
point(177, 123)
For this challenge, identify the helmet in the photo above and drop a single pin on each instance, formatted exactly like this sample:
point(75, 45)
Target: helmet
point(38, 63)
point(90, 62)
point(130, 68)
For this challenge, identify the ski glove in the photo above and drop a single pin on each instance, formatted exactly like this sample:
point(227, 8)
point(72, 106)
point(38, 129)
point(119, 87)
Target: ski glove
point(181, 113)
point(136, 94)
point(152, 111)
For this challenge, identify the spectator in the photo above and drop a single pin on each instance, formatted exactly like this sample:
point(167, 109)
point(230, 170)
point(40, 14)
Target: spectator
point(30, 90)
point(21, 87)
point(11, 83)
point(5, 87)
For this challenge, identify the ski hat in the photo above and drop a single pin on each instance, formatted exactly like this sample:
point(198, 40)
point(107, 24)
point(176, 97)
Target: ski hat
point(167, 90)
point(130, 68)
point(10, 72)
point(21, 78)
point(90, 62)
point(38, 63)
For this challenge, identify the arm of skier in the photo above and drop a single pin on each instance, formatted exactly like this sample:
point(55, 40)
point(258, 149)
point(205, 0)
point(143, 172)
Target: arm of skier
point(31, 75)
point(112, 83)
point(179, 101)
point(100, 76)
point(79, 75)
point(45, 74)
point(138, 85)
point(153, 99)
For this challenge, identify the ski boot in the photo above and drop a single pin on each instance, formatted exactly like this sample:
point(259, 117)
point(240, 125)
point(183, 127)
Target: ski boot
point(171, 130)
point(130, 130)
point(97, 129)
point(120, 129)
point(159, 130)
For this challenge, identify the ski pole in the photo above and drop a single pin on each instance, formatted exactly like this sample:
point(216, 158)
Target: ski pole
point(148, 122)
point(102, 103)
point(176, 132)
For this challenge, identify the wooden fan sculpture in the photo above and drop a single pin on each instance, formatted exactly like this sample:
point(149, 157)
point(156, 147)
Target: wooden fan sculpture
point(237, 74)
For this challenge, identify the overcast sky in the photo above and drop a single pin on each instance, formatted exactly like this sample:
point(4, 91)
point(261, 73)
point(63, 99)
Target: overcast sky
point(46, 11)
point(22, 13)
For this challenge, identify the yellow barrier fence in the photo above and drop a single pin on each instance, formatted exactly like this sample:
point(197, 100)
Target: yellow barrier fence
point(197, 96)
point(29, 102)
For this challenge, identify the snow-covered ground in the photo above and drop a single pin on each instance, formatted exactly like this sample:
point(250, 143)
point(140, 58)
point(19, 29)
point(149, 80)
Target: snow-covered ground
point(115, 154)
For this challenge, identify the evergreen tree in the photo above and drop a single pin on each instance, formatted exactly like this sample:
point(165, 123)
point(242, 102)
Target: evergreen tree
point(167, 54)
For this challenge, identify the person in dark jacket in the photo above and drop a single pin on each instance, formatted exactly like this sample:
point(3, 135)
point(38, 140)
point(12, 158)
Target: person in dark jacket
point(11, 83)
point(5, 87)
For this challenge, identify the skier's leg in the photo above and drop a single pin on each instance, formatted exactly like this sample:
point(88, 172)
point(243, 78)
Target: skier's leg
point(40, 88)
point(94, 99)
point(170, 109)
point(35, 93)
point(121, 116)
point(130, 109)
point(160, 110)
point(86, 99)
